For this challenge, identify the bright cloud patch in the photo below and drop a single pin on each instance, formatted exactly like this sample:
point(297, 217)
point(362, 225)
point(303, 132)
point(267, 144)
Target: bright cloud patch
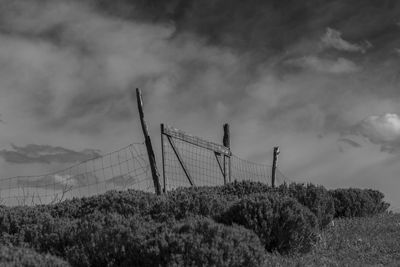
point(383, 130)
point(333, 39)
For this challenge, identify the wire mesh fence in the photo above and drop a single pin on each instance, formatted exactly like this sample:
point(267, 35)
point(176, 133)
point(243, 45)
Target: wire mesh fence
point(203, 166)
point(126, 168)
point(187, 161)
point(247, 170)
point(192, 161)
point(281, 178)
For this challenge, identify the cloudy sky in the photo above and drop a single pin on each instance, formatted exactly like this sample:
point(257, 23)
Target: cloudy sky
point(318, 78)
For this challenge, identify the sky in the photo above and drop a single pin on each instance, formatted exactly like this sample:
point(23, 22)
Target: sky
point(318, 78)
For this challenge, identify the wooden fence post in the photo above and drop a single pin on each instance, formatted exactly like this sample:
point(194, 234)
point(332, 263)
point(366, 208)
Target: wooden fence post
point(226, 141)
point(163, 158)
point(274, 163)
point(149, 147)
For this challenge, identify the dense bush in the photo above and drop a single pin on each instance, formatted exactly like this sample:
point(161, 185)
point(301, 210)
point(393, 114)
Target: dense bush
point(281, 222)
point(243, 188)
point(123, 202)
point(135, 228)
point(202, 242)
point(377, 198)
point(184, 202)
point(115, 240)
point(94, 240)
point(315, 198)
point(178, 204)
point(354, 202)
point(13, 221)
point(17, 257)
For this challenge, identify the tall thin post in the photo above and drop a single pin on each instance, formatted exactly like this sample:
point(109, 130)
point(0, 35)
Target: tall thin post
point(149, 147)
point(227, 143)
point(163, 158)
point(274, 163)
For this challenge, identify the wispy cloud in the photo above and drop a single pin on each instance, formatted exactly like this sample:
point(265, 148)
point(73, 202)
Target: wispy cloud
point(58, 181)
point(122, 180)
point(334, 66)
point(46, 154)
point(350, 142)
point(333, 39)
point(54, 181)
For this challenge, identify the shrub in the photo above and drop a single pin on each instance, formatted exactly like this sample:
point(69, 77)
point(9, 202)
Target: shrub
point(202, 242)
point(281, 222)
point(122, 202)
point(244, 188)
point(316, 198)
point(380, 206)
point(13, 256)
point(354, 202)
point(95, 240)
point(13, 222)
point(108, 240)
point(184, 202)
point(115, 240)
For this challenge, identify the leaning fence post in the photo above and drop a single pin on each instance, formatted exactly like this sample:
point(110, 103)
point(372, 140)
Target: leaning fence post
point(163, 158)
point(227, 143)
point(150, 151)
point(274, 163)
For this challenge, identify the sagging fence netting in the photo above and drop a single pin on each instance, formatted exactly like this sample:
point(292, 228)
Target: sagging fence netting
point(186, 161)
point(126, 168)
point(191, 161)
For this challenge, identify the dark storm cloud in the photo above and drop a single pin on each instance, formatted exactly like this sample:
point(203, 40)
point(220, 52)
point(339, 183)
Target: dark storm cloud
point(46, 154)
point(271, 25)
point(82, 63)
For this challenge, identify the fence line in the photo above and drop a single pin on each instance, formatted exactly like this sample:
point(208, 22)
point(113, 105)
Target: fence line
point(189, 160)
point(247, 170)
point(121, 169)
point(199, 162)
point(186, 162)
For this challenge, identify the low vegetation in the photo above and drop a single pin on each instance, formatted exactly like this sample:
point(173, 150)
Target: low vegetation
point(239, 224)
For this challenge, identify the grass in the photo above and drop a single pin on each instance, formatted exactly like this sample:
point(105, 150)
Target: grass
point(368, 241)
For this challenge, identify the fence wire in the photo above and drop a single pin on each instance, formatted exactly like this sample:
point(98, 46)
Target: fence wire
point(246, 170)
point(205, 168)
point(201, 165)
point(126, 168)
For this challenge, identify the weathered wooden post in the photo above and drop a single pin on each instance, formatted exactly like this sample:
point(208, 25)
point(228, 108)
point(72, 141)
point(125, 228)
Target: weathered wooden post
point(274, 163)
point(163, 158)
point(149, 147)
point(226, 141)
